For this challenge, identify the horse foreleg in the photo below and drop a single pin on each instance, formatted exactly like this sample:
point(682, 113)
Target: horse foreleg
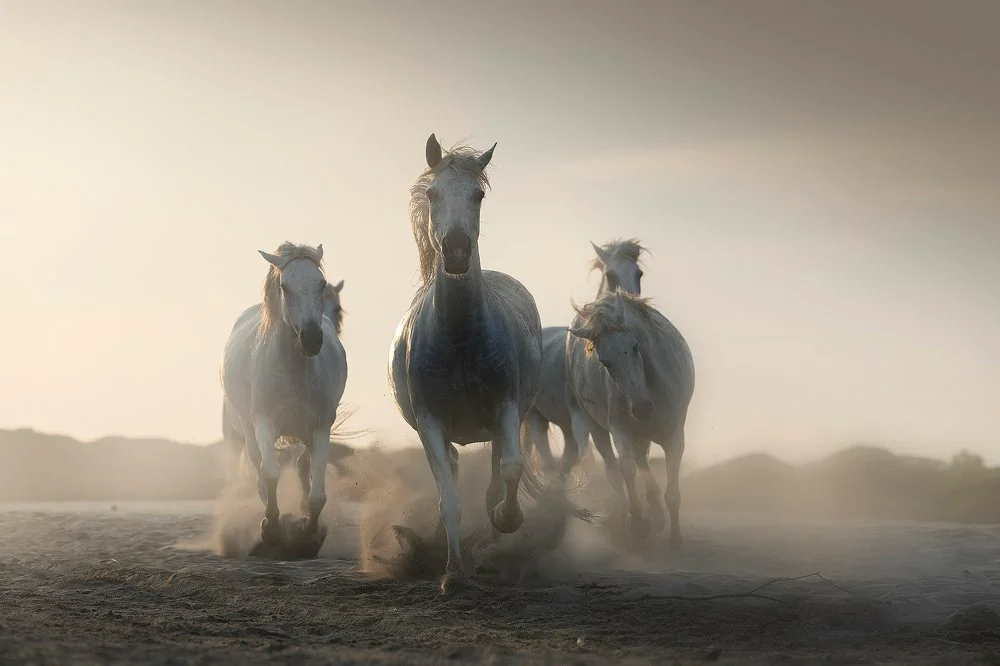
point(653, 497)
point(674, 452)
point(268, 471)
point(638, 523)
point(602, 442)
point(317, 488)
point(506, 516)
point(442, 465)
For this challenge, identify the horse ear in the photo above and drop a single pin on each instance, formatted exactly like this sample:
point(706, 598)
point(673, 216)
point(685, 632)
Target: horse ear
point(485, 158)
point(433, 151)
point(337, 287)
point(582, 332)
point(319, 251)
point(273, 259)
point(605, 257)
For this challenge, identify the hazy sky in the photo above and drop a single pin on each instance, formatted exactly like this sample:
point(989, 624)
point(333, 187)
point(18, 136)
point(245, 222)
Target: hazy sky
point(819, 183)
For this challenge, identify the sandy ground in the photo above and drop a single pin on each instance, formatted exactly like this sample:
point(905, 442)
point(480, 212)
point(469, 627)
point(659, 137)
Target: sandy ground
point(84, 584)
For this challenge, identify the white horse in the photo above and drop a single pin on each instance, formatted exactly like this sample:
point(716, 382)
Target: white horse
point(631, 370)
point(283, 374)
point(464, 362)
point(618, 261)
point(233, 434)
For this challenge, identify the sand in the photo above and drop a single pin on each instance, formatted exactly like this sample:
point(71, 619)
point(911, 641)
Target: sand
point(145, 583)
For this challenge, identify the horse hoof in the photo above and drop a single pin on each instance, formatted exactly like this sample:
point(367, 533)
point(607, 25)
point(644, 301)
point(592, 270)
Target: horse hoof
point(639, 526)
point(270, 531)
point(506, 523)
point(454, 580)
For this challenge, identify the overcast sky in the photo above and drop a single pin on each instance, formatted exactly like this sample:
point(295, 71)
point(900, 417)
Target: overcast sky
point(819, 183)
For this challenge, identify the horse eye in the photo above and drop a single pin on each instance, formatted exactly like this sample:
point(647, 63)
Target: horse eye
point(640, 275)
point(478, 196)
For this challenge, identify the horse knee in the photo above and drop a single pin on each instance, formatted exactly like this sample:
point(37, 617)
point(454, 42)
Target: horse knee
point(627, 467)
point(270, 470)
point(317, 500)
point(511, 470)
point(672, 497)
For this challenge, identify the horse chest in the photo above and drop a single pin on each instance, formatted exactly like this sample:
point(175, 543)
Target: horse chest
point(298, 406)
point(463, 384)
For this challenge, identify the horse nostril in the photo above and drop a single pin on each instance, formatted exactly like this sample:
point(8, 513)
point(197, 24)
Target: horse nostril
point(311, 339)
point(456, 247)
point(457, 243)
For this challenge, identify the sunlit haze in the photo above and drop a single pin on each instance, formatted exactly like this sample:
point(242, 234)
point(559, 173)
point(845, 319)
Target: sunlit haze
point(819, 185)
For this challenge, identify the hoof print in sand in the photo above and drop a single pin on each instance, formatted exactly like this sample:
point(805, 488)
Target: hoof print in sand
point(296, 542)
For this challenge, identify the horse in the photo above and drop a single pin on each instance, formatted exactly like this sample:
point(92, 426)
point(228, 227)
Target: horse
point(618, 261)
point(465, 360)
point(284, 372)
point(632, 371)
point(233, 436)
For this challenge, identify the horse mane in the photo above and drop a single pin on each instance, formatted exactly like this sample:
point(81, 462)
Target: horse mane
point(270, 314)
point(628, 248)
point(461, 159)
point(600, 317)
point(339, 321)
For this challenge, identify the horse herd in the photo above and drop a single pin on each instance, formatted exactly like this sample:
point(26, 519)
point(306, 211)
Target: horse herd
point(469, 362)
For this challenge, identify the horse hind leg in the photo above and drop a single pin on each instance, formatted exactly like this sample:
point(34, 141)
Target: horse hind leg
point(653, 497)
point(536, 436)
point(672, 497)
point(506, 516)
point(575, 441)
point(303, 466)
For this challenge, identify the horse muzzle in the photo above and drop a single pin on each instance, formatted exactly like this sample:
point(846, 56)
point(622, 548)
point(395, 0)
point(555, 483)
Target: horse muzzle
point(311, 340)
point(456, 250)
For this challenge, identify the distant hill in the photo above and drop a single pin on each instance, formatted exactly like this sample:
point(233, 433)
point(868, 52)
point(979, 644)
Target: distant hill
point(858, 482)
point(36, 466)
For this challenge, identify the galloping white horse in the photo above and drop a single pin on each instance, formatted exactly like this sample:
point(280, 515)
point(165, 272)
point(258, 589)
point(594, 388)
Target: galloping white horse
point(464, 363)
point(283, 374)
point(618, 261)
point(233, 434)
point(631, 370)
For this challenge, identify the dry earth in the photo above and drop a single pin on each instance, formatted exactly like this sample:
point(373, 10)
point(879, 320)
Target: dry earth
point(82, 583)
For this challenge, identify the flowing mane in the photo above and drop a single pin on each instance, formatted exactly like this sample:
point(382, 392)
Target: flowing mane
point(601, 316)
point(271, 312)
point(629, 248)
point(459, 158)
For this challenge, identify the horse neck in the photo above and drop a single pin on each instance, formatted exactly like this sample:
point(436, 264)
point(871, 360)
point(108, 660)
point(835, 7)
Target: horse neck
point(459, 303)
point(283, 339)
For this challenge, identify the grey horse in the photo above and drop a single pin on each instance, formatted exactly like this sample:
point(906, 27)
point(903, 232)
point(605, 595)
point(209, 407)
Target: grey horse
point(618, 261)
point(632, 372)
point(465, 360)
